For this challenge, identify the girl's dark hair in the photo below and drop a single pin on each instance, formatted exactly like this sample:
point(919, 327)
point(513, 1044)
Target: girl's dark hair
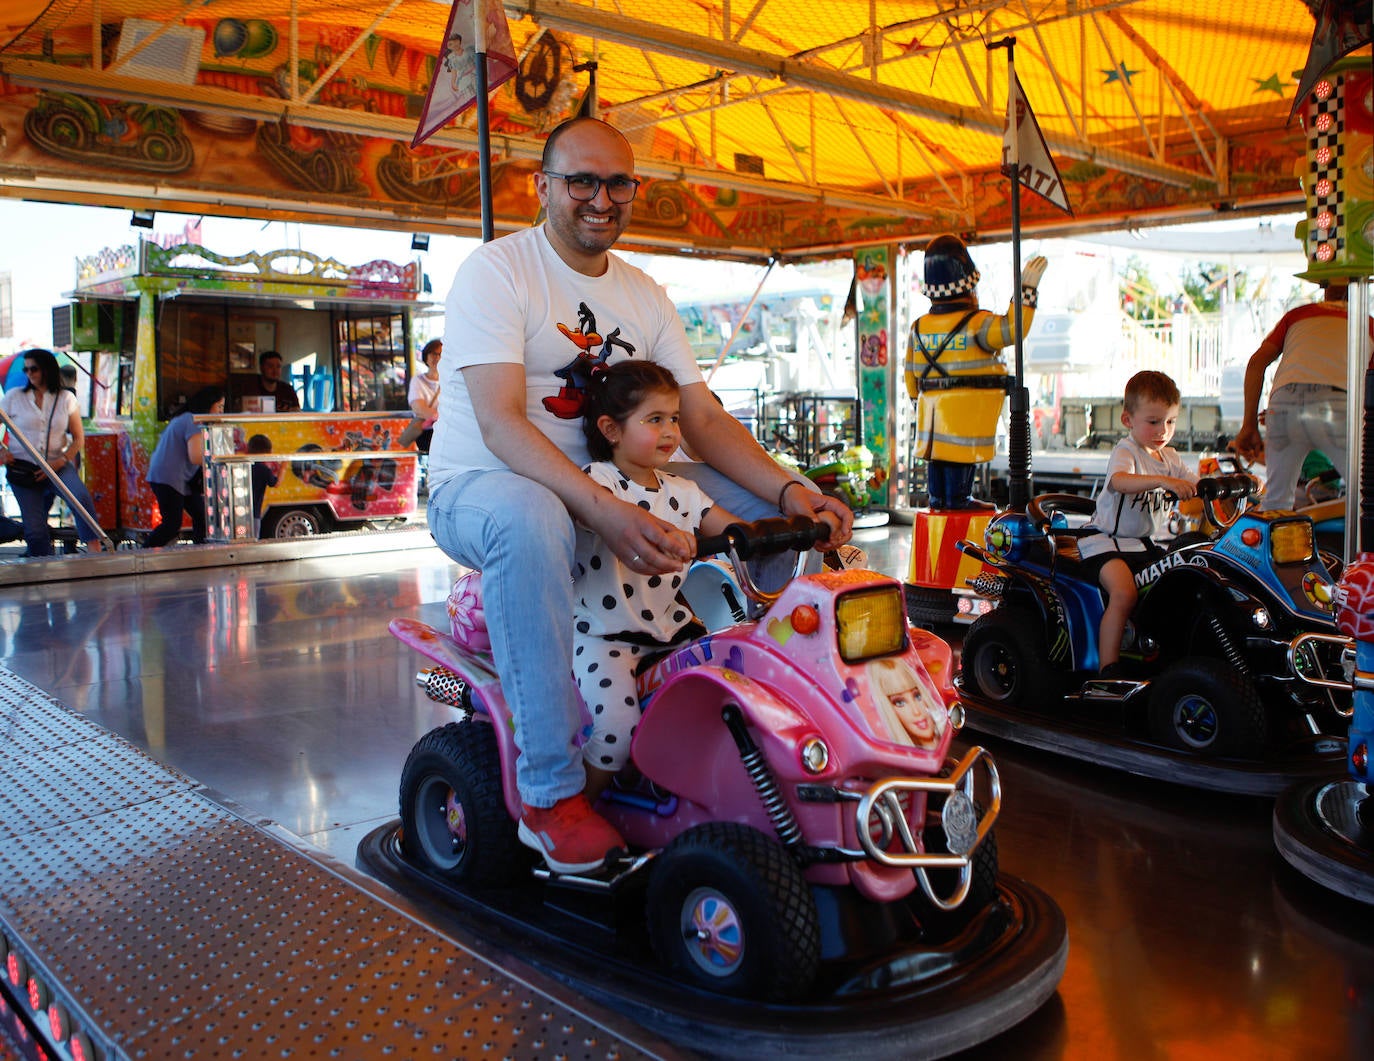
point(203, 399)
point(46, 360)
point(616, 391)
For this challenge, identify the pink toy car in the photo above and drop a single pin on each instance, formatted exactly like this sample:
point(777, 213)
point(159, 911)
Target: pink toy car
point(791, 777)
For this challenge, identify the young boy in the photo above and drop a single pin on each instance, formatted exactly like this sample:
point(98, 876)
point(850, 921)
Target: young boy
point(265, 474)
point(1134, 503)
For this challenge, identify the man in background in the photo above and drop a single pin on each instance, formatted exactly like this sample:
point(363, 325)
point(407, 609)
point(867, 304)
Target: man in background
point(1307, 407)
point(270, 384)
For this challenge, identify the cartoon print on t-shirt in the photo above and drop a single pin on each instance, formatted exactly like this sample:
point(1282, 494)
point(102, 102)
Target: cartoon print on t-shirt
point(567, 403)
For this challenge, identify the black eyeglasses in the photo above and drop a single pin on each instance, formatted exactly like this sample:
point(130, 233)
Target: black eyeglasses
point(582, 187)
point(33, 368)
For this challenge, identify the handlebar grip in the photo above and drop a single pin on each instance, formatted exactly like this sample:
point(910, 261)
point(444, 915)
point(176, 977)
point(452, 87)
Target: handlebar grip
point(710, 544)
point(765, 537)
point(1222, 487)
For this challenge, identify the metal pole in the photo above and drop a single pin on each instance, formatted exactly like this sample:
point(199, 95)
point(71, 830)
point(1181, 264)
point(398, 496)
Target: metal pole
point(1357, 352)
point(479, 41)
point(1018, 426)
point(734, 331)
point(60, 486)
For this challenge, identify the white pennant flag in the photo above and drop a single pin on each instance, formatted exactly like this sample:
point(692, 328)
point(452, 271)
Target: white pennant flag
point(1024, 150)
point(454, 86)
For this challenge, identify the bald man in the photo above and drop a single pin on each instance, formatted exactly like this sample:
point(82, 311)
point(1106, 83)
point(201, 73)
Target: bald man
point(529, 319)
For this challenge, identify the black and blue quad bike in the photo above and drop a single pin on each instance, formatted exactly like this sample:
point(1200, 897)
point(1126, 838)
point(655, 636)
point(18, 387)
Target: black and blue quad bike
point(1234, 676)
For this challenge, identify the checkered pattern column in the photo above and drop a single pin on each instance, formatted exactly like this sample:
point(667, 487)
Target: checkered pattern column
point(1337, 180)
point(1325, 183)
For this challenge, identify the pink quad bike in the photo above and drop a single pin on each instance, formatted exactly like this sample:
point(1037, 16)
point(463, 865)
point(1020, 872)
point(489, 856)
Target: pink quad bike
point(804, 753)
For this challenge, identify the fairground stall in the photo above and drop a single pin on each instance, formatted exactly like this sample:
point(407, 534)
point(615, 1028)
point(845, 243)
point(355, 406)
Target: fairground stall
point(157, 323)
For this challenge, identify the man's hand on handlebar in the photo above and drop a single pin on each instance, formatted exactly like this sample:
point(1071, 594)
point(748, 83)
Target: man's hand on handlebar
point(801, 501)
point(644, 542)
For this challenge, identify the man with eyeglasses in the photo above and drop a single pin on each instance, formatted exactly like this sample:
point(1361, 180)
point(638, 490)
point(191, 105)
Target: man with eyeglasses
point(530, 319)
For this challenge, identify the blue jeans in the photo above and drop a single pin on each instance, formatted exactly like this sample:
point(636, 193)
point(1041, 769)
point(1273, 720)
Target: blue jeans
point(36, 503)
point(520, 536)
point(1301, 417)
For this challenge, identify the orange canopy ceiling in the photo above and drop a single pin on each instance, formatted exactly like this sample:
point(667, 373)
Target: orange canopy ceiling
point(782, 127)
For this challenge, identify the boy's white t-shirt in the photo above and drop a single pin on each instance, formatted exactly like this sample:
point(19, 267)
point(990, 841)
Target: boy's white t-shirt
point(1124, 519)
point(515, 301)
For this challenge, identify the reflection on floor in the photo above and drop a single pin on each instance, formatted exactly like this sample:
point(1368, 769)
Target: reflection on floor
point(278, 686)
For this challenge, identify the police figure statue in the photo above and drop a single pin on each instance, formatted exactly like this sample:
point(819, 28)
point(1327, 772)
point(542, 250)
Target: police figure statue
point(954, 370)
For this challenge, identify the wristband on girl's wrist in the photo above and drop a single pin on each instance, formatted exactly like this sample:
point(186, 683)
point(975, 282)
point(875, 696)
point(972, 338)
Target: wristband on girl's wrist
point(783, 492)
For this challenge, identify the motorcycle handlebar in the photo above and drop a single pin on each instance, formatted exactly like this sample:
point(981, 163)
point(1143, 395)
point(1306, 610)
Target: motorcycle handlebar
point(1223, 487)
point(764, 537)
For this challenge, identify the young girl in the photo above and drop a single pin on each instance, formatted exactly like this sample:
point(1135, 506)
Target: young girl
point(631, 422)
point(911, 708)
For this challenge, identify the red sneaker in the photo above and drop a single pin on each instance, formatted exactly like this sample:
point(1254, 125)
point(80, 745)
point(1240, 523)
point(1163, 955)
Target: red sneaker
point(571, 836)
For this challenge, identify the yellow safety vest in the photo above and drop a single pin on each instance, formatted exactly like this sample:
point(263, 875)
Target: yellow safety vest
point(958, 423)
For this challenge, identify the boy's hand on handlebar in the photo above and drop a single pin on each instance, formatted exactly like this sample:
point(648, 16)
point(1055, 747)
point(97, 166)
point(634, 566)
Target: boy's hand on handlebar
point(830, 510)
point(1180, 488)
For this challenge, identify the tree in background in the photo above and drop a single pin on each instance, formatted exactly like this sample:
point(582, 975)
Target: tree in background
point(1208, 285)
point(1140, 299)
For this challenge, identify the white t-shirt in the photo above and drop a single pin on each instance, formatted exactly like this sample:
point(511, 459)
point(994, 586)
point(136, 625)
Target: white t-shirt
point(604, 608)
point(1313, 340)
point(515, 301)
point(422, 389)
point(33, 419)
point(1124, 519)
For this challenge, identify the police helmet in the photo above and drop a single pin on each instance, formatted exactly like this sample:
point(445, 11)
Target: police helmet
point(949, 271)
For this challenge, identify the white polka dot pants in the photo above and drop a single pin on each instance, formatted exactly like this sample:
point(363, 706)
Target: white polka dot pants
point(604, 670)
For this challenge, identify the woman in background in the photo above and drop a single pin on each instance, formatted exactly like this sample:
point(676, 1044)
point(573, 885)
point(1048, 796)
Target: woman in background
point(424, 392)
point(49, 416)
point(178, 459)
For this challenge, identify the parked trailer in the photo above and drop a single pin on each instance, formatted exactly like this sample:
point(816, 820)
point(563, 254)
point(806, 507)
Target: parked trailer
point(157, 323)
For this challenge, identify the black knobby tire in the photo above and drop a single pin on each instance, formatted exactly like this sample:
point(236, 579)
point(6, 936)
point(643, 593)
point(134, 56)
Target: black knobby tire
point(453, 811)
point(939, 926)
point(729, 910)
point(1005, 660)
point(66, 131)
point(1202, 706)
point(930, 608)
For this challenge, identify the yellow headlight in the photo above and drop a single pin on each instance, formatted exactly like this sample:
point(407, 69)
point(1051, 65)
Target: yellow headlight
point(870, 623)
point(1291, 542)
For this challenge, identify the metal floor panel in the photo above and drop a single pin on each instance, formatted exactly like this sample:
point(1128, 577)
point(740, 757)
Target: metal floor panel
point(180, 929)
